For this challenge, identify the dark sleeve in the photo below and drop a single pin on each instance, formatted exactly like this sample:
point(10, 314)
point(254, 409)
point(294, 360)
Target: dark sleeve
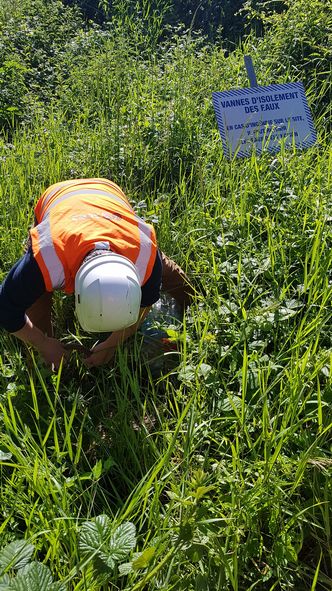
point(23, 285)
point(151, 289)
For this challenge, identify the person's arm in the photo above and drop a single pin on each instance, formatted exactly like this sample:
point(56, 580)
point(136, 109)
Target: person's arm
point(176, 283)
point(104, 351)
point(22, 287)
point(51, 350)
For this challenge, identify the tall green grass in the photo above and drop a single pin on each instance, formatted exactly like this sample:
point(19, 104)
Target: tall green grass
point(224, 463)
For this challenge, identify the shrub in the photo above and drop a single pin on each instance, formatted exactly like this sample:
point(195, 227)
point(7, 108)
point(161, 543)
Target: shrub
point(33, 37)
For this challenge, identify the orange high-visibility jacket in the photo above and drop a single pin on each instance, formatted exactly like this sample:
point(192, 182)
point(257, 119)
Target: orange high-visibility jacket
point(77, 216)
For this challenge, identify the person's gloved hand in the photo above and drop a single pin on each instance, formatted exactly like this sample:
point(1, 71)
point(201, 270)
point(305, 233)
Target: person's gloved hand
point(100, 354)
point(52, 351)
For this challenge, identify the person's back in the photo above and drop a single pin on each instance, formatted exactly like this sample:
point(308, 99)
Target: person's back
point(75, 219)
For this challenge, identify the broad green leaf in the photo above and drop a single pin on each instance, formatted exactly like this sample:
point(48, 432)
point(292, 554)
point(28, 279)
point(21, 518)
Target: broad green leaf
point(187, 373)
point(97, 470)
point(195, 552)
point(233, 402)
point(144, 559)
point(35, 577)
point(16, 555)
point(122, 541)
point(204, 369)
point(201, 582)
point(326, 371)
point(109, 561)
point(186, 532)
point(201, 491)
point(94, 536)
point(125, 568)
point(4, 583)
point(97, 541)
point(285, 313)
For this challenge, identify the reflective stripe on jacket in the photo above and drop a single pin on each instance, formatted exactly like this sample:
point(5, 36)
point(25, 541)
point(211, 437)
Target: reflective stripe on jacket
point(77, 216)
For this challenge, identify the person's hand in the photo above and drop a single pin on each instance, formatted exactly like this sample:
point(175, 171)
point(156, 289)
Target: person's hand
point(100, 354)
point(52, 351)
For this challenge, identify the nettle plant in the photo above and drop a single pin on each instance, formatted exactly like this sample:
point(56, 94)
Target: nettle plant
point(102, 549)
point(18, 572)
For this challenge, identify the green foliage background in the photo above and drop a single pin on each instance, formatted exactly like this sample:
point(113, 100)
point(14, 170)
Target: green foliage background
point(224, 464)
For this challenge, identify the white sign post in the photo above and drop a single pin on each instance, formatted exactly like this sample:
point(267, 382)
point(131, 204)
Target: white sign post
point(262, 118)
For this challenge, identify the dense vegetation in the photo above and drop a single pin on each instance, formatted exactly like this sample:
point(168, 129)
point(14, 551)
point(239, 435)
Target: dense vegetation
point(219, 472)
point(226, 19)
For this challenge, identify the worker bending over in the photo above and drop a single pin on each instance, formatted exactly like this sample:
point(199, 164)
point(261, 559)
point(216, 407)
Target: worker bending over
point(87, 239)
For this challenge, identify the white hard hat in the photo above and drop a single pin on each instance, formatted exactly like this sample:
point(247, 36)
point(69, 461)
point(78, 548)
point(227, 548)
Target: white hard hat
point(107, 293)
